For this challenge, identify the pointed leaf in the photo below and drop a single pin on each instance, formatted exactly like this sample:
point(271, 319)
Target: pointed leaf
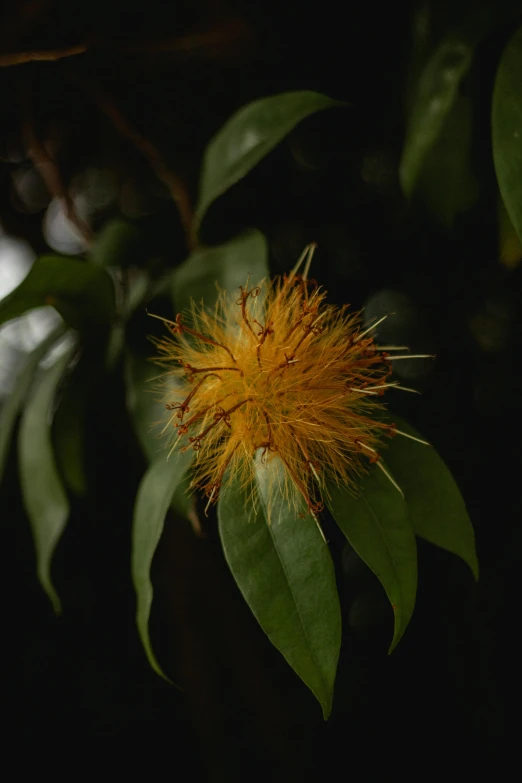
point(228, 265)
point(137, 287)
point(435, 505)
point(69, 423)
point(82, 293)
point(249, 135)
point(509, 243)
point(43, 494)
point(446, 185)
point(437, 91)
point(12, 406)
point(377, 525)
point(146, 409)
point(285, 572)
point(507, 129)
point(154, 497)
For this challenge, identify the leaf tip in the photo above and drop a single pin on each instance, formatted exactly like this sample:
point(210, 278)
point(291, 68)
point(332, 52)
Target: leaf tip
point(53, 597)
point(327, 709)
point(475, 570)
point(399, 629)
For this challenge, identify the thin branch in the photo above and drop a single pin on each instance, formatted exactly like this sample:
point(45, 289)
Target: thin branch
point(175, 184)
point(18, 58)
point(50, 173)
point(206, 43)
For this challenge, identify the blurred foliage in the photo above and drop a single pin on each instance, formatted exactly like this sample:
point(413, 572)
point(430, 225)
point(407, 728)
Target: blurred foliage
point(118, 118)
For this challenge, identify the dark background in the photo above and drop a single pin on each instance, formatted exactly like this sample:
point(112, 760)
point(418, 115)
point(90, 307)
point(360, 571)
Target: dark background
point(243, 714)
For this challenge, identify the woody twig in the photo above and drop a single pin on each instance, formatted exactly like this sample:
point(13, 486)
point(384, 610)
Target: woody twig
point(173, 182)
point(207, 43)
point(18, 58)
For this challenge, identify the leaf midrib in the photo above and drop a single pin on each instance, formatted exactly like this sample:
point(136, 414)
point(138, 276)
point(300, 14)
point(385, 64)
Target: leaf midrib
point(394, 567)
point(274, 541)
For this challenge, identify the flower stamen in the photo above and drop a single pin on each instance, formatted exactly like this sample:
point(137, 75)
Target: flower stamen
point(183, 407)
point(311, 250)
point(266, 445)
point(395, 431)
point(389, 477)
point(241, 302)
point(184, 428)
point(177, 327)
point(262, 334)
point(194, 370)
point(375, 457)
point(323, 418)
point(216, 485)
point(391, 347)
point(314, 507)
point(411, 356)
point(221, 415)
point(370, 328)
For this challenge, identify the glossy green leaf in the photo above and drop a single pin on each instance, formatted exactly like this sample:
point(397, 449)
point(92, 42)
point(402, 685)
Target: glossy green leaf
point(69, 422)
point(154, 497)
point(507, 128)
point(148, 417)
point(136, 291)
point(184, 501)
point(136, 288)
point(43, 494)
point(377, 525)
point(14, 402)
point(226, 266)
point(248, 136)
point(285, 573)
point(509, 243)
point(435, 505)
point(437, 91)
point(82, 293)
point(447, 185)
point(144, 403)
point(118, 244)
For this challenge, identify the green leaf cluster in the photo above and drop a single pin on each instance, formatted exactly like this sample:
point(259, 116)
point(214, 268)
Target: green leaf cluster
point(283, 567)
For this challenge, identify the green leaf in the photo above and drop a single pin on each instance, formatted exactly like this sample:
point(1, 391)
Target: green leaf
point(447, 185)
point(82, 293)
point(183, 501)
point(136, 290)
point(248, 136)
point(44, 497)
point(14, 402)
point(507, 128)
point(437, 91)
point(117, 245)
point(154, 497)
point(144, 404)
point(148, 418)
point(509, 243)
point(285, 572)
point(377, 525)
point(435, 505)
point(68, 430)
point(228, 265)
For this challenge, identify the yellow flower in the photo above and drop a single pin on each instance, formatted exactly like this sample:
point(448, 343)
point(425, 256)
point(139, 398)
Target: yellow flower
point(277, 374)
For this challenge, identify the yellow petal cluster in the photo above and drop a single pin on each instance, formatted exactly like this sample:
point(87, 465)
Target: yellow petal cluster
point(275, 373)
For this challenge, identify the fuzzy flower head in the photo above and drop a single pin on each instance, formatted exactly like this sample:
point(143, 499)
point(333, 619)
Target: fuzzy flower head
point(276, 373)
